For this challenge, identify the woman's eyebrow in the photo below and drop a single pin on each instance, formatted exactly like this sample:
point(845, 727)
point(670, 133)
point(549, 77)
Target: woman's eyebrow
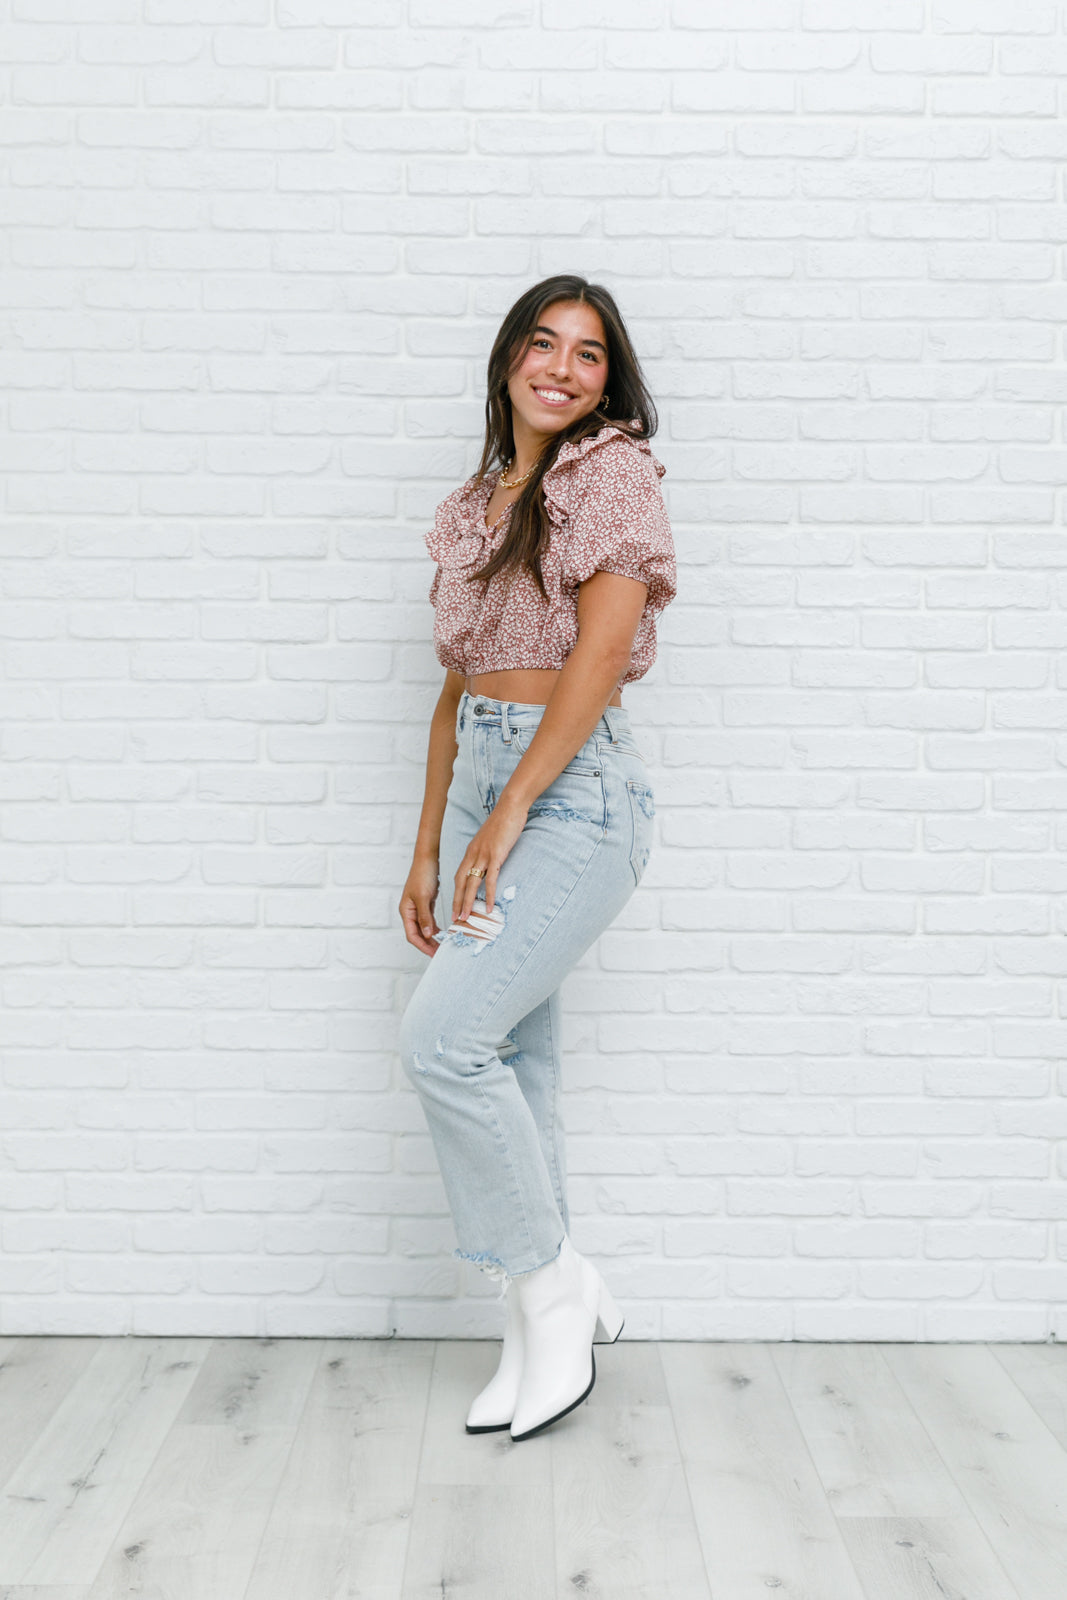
point(542, 329)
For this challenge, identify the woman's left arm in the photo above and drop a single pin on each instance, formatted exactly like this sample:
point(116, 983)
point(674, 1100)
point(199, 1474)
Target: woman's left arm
point(609, 611)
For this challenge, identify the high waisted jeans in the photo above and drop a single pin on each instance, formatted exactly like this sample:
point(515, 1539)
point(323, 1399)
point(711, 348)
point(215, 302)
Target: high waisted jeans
point(480, 1037)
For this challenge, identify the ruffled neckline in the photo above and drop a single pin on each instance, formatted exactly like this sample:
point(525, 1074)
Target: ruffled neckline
point(466, 541)
point(572, 450)
point(472, 544)
point(475, 496)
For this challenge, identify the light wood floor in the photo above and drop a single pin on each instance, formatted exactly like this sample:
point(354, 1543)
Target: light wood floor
point(336, 1469)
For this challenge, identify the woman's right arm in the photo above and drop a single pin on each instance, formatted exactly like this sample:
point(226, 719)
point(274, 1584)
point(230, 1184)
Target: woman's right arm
point(420, 890)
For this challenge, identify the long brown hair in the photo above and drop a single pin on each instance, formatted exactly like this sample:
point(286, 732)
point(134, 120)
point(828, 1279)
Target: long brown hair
point(631, 410)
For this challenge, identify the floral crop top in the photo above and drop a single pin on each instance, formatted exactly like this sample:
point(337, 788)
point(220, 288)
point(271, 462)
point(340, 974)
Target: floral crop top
point(605, 511)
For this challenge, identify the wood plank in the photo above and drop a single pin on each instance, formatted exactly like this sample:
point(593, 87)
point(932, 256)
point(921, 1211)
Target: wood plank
point(925, 1558)
point(194, 1528)
point(253, 1383)
point(36, 1375)
point(873, 1456)
point(482, 1524)
point(340, 1523)
point(625, 1527)
point(50, 1591)
point(1040, 1373)
point(763, 1516)
point(62, 1505)
point(287, 1469)
point(628, 1374)
point(1011, 1470)
point(481, 1541)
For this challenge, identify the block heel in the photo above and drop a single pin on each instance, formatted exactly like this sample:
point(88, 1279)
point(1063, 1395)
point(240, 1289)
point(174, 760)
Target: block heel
point(609, 1319)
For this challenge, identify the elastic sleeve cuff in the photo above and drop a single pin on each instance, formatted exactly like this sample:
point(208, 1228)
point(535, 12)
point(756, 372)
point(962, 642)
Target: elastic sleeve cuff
point(629, 560)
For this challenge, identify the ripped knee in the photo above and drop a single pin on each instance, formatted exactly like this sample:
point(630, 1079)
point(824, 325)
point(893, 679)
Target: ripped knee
point(481, 925)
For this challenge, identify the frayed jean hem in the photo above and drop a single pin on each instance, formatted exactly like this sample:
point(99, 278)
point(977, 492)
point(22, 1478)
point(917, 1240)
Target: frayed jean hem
point(494, 1268)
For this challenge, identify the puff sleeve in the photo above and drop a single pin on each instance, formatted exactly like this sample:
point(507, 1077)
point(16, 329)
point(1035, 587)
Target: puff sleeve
point(617, 521)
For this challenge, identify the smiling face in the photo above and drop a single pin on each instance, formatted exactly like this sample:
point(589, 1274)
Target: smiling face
point(561, 377)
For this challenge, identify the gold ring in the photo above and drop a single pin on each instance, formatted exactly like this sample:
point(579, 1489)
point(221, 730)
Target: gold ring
point(476, 872)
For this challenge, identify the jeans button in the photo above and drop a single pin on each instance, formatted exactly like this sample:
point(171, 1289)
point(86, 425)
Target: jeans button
point(478, 710)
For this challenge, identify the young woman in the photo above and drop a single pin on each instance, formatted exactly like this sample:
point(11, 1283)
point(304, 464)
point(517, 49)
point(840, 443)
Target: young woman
point(554, 560)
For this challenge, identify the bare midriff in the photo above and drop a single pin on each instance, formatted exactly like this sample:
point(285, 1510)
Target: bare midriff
point(526, 685)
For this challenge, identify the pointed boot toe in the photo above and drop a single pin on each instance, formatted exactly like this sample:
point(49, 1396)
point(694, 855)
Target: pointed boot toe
point(526, 1422)
point(492, 1409)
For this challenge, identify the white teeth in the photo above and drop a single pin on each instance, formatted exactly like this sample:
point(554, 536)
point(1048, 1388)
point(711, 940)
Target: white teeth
point(553, 394)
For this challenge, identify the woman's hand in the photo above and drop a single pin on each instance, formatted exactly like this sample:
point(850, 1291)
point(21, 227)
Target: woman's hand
point(416, 904)
point(489, 848)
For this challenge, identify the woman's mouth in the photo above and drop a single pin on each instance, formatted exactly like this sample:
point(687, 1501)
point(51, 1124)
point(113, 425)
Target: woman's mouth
point(554, 397)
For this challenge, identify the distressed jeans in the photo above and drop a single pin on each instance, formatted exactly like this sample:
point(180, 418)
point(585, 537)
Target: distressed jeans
point(480, 1036)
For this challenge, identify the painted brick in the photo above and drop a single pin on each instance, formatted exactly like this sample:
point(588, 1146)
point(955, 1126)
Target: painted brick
point(813, 1072)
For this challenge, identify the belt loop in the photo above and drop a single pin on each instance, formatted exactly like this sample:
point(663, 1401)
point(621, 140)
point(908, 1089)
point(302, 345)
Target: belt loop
point(609, 718)
point(505, 720)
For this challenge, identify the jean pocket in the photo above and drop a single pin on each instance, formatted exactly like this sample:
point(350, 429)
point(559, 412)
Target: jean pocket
point(576, 795)
point(584, 763)
point(642, 810)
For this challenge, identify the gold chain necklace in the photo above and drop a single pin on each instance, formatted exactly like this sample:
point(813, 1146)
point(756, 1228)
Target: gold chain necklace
point(502, 481)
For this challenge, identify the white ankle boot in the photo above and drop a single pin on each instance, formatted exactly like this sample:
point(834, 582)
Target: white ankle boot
point(493, 1408)
point(564, 1305)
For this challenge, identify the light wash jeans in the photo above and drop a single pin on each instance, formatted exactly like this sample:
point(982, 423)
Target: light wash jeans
point(480, 1037)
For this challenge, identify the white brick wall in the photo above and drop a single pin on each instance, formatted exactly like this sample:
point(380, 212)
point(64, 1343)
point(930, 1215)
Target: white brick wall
point(252, 263)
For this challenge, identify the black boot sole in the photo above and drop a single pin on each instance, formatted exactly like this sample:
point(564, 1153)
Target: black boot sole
point(550, 1420)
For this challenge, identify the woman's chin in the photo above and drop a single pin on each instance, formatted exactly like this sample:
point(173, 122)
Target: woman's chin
point(551, 419)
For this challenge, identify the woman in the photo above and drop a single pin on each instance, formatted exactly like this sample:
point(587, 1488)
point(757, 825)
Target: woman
point(553, 561)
